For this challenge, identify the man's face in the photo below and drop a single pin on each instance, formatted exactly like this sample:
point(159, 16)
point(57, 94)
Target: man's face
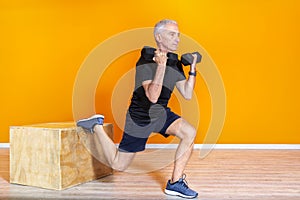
point(168, 39)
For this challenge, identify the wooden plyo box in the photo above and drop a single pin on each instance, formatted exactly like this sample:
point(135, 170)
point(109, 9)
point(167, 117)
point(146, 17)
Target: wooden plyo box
point(55, 155)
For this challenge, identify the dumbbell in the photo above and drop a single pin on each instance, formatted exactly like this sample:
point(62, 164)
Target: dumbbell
point(187, 58)
point(148, 54)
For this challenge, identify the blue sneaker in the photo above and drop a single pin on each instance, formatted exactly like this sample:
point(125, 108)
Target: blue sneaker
point(181, 189)
point(89, 123)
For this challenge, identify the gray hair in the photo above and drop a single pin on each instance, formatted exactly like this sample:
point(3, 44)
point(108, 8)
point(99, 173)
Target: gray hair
point(161, 24)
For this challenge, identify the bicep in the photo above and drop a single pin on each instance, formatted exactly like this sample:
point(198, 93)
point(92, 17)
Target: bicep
point(146, 84)
point(151, 91)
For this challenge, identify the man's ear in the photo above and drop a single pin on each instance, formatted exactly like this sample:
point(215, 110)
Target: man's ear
point(158, 37)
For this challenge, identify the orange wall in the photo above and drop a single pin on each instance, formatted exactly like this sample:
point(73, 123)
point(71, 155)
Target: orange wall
point(255, 45)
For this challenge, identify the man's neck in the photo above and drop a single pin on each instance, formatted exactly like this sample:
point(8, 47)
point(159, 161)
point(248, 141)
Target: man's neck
point(162, 48)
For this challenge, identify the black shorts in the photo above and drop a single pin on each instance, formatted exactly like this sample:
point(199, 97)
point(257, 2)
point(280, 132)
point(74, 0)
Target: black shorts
point(132, 142)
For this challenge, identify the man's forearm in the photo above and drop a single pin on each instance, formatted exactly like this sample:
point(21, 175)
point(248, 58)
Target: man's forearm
point(155, 87)
point(190, 83)
point(189, 87)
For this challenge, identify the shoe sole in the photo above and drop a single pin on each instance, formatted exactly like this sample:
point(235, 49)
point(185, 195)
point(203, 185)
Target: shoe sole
point(92, 117)
point(174, 193)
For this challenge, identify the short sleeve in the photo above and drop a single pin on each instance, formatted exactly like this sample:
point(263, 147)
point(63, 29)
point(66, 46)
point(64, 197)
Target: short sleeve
point(144, 71)
point(181, 75)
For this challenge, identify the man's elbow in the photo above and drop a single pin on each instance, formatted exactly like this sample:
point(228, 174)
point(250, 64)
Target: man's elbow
point(153, 99)
point(188, 97)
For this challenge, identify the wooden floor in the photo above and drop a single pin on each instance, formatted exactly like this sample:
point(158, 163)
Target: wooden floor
point(223, 174)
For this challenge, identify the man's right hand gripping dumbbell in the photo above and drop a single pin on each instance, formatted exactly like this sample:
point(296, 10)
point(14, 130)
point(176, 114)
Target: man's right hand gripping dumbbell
point(187, 58)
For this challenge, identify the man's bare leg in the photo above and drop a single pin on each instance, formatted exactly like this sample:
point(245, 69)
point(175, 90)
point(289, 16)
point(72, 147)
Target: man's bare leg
point(186, 133)
point(116, 159)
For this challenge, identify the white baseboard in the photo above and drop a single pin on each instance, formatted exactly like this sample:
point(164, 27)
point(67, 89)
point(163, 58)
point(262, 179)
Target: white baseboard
point(230, 146)
point(4, 145)
point(216, 146)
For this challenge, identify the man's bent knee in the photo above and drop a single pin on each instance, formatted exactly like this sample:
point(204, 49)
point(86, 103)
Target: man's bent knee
point(193, 132)
point(187, 131)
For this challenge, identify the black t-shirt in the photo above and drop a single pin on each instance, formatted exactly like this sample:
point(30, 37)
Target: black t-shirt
point(145, 70)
